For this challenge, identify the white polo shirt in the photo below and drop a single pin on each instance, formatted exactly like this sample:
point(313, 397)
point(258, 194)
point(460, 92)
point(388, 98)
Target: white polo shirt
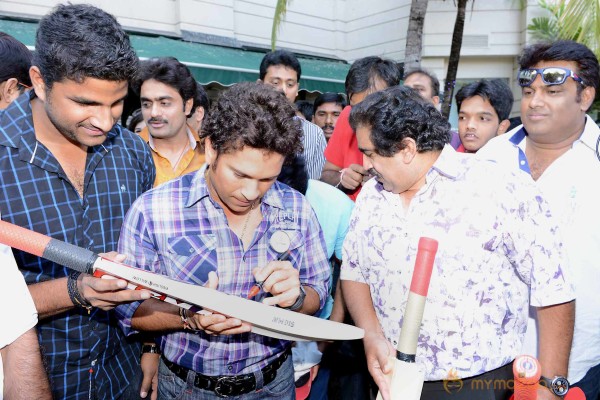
point(571, 185)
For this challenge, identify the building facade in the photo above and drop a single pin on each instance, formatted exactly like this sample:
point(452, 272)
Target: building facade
point(494, 34)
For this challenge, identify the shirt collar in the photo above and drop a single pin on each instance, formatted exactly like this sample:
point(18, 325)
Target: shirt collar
point(588, 137)
point(193, 137)
point(199, 191)
point(448, 163)
point(590, 134)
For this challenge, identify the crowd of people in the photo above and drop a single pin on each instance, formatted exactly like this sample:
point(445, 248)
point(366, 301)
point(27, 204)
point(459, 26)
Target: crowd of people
point(198, 192)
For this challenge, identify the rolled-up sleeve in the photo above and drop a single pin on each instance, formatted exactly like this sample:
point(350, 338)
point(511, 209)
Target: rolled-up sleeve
point(135, 242)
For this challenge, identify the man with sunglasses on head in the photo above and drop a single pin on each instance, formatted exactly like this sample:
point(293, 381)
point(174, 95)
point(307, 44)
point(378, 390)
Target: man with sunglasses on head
point(557, 146)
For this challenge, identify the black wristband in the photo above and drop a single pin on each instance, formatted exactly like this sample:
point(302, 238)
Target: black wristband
point(150, 348)
point(76, 297)
point(299, 301)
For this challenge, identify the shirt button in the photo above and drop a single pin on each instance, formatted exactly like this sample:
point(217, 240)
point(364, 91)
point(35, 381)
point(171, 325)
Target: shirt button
point(230, 368)
point(191, 250)
point(522, 162)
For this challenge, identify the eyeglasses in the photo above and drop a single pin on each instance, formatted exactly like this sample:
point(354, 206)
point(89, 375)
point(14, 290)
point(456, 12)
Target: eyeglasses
point(550, 76)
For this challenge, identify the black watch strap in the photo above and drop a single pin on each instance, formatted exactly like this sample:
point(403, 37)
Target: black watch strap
point(299, 301)
point(150, 348)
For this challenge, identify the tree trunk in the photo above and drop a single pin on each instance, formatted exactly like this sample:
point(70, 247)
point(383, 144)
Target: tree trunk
point(454, 58)
point(414, 35)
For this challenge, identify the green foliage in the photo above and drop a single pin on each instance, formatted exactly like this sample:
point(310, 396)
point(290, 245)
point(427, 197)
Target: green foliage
point(543, 29)
point(280, 11)
point(577, 20)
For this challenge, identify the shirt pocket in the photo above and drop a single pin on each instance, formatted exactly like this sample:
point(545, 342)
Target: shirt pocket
point(190, 258)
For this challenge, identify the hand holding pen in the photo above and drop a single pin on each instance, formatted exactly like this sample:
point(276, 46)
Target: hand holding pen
point(280, 242)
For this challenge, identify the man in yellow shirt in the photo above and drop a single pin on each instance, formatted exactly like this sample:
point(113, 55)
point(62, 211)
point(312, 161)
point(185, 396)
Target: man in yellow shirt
point(167, 90)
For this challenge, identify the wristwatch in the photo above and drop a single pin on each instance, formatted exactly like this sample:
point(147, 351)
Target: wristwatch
point(299, 301)
point(559, 385)
point(150, 348)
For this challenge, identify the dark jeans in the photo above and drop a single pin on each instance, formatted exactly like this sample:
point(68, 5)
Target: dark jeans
point(590, 384)
point(349, 377)
point(493, 385)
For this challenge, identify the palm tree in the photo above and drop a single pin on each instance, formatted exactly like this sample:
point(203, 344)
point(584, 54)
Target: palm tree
point(457, 37)
point(414, 35)
point(573, 20)
point(278, 17)
point(545, 29)
point(580, 21)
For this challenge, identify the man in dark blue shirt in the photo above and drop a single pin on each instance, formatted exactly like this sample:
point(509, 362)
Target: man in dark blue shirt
point(69, 171)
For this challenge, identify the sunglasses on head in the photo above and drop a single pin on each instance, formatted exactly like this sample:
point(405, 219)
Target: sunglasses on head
point(550, 76)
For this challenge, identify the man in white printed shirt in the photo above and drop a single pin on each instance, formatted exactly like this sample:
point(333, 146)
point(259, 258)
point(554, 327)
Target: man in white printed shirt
point(499, 252)
point(557, 147)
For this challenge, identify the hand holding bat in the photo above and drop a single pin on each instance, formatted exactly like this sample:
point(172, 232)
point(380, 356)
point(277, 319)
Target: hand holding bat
point(379, 351)
point(214, 323)
point(106, 294)
point(406, 382)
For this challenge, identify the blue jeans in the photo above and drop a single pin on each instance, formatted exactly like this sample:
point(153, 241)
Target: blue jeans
point(590, 384)
point(171, 387)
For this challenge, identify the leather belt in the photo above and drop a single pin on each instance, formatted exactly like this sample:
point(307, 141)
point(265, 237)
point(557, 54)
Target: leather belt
point(227, 385)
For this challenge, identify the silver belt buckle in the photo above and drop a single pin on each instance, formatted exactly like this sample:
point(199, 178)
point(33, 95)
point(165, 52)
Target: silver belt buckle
point(221, 384)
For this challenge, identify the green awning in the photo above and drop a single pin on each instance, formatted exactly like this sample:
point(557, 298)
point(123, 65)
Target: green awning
point(210, 63)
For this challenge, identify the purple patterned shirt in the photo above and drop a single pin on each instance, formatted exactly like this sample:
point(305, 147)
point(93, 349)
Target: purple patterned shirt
point(179, 231)
point(499, 251)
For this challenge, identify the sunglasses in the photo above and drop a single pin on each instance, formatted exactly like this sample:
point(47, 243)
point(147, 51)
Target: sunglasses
point(550, 76)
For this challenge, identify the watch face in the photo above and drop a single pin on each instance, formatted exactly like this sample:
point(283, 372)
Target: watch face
point(560, 385)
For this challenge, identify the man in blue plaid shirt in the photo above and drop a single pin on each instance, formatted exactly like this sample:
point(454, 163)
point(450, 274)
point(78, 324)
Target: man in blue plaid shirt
point(214, 227)
point(69, 171)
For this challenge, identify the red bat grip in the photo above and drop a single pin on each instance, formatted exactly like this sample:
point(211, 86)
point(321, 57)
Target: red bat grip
point(415, 305)
point(62, 253)
point(423, 266)
point(23, 239)
point(527, 372)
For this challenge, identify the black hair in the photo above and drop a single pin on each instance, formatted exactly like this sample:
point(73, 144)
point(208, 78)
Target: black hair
point(565, 50)
point(364, 73)
point(279, 57)
point(201, 99)
point(305, 108)
point(78, 41)
point(16, 60)
point(255, 115)
point(329, 97)
point(397, 113)
point(294, 173)
point(169, 71)
point(135, 118)
point(514, 122)
point(435, 82)
point(496, 91)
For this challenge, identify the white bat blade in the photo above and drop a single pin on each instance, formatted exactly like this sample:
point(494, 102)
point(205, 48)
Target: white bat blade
point(406, 382)
point(266, 320)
